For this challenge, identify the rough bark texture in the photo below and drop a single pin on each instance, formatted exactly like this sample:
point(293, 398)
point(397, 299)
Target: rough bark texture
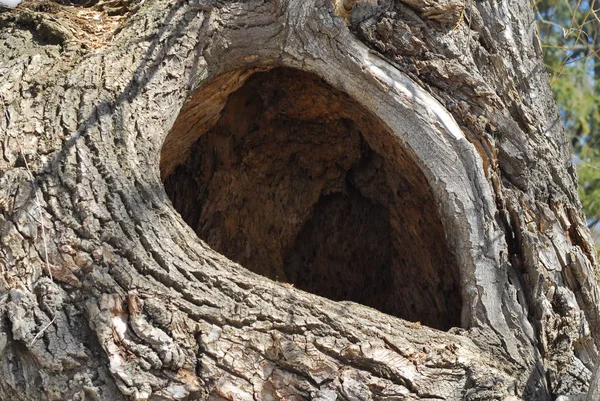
point(405, 155)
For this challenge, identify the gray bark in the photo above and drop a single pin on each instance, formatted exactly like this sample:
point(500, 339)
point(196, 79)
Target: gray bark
point(107, 293)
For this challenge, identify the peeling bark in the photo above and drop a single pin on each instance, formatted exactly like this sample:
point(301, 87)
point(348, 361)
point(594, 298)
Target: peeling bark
point(107, 292)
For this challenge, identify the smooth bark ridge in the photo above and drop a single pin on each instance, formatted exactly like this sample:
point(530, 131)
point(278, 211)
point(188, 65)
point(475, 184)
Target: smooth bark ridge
point(139, 308)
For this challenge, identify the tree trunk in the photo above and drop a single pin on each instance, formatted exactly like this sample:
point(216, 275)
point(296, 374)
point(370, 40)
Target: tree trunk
point(394, 173)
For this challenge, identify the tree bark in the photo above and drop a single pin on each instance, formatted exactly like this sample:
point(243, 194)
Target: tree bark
point(107, 293)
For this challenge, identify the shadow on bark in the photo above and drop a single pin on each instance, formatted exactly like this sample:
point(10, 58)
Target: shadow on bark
point(143, 74)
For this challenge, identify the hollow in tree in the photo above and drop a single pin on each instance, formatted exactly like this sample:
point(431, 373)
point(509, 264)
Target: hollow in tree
point(378, 163)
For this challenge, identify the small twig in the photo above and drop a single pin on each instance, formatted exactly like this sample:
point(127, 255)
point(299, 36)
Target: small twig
point(39, 334)
point(458, 21)
point(586, 163)
point(37, 198)
point(39, 206)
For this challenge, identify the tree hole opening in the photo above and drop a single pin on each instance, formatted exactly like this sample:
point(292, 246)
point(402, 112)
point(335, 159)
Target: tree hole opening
point(298, 182)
